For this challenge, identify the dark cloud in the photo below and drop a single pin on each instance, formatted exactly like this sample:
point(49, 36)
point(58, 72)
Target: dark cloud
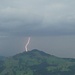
point(37, 17)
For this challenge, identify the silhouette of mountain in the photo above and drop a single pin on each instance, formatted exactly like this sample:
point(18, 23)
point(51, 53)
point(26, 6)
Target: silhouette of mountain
point(36, 62)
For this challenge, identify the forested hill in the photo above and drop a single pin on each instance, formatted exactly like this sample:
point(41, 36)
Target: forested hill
point(36, 62)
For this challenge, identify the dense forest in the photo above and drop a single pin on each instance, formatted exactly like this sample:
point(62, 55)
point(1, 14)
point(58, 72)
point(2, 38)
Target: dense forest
point(36, 62)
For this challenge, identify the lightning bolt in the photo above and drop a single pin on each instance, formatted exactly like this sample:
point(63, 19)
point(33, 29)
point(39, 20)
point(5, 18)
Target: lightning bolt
point(28, 41)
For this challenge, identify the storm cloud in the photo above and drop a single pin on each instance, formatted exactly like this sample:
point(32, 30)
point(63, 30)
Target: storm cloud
point(37, 17)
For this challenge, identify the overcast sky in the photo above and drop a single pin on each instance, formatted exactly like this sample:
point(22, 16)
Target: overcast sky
point(49, 23)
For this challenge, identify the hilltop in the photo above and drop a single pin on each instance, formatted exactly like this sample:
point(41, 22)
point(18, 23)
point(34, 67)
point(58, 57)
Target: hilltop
point(36, 62)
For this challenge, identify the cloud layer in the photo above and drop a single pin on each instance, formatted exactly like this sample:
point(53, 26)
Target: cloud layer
point(37, 17)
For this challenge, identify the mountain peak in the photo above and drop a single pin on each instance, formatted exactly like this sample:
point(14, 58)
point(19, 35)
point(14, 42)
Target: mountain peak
point(36, 52)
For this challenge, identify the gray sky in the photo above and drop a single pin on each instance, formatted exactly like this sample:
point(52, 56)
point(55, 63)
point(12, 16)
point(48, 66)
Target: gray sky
point(50, 23)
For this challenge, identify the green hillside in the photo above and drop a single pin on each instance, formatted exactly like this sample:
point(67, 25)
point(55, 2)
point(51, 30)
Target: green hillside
point(37, 62)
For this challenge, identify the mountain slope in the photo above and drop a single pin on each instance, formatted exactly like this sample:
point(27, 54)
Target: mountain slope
point(37, 62)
